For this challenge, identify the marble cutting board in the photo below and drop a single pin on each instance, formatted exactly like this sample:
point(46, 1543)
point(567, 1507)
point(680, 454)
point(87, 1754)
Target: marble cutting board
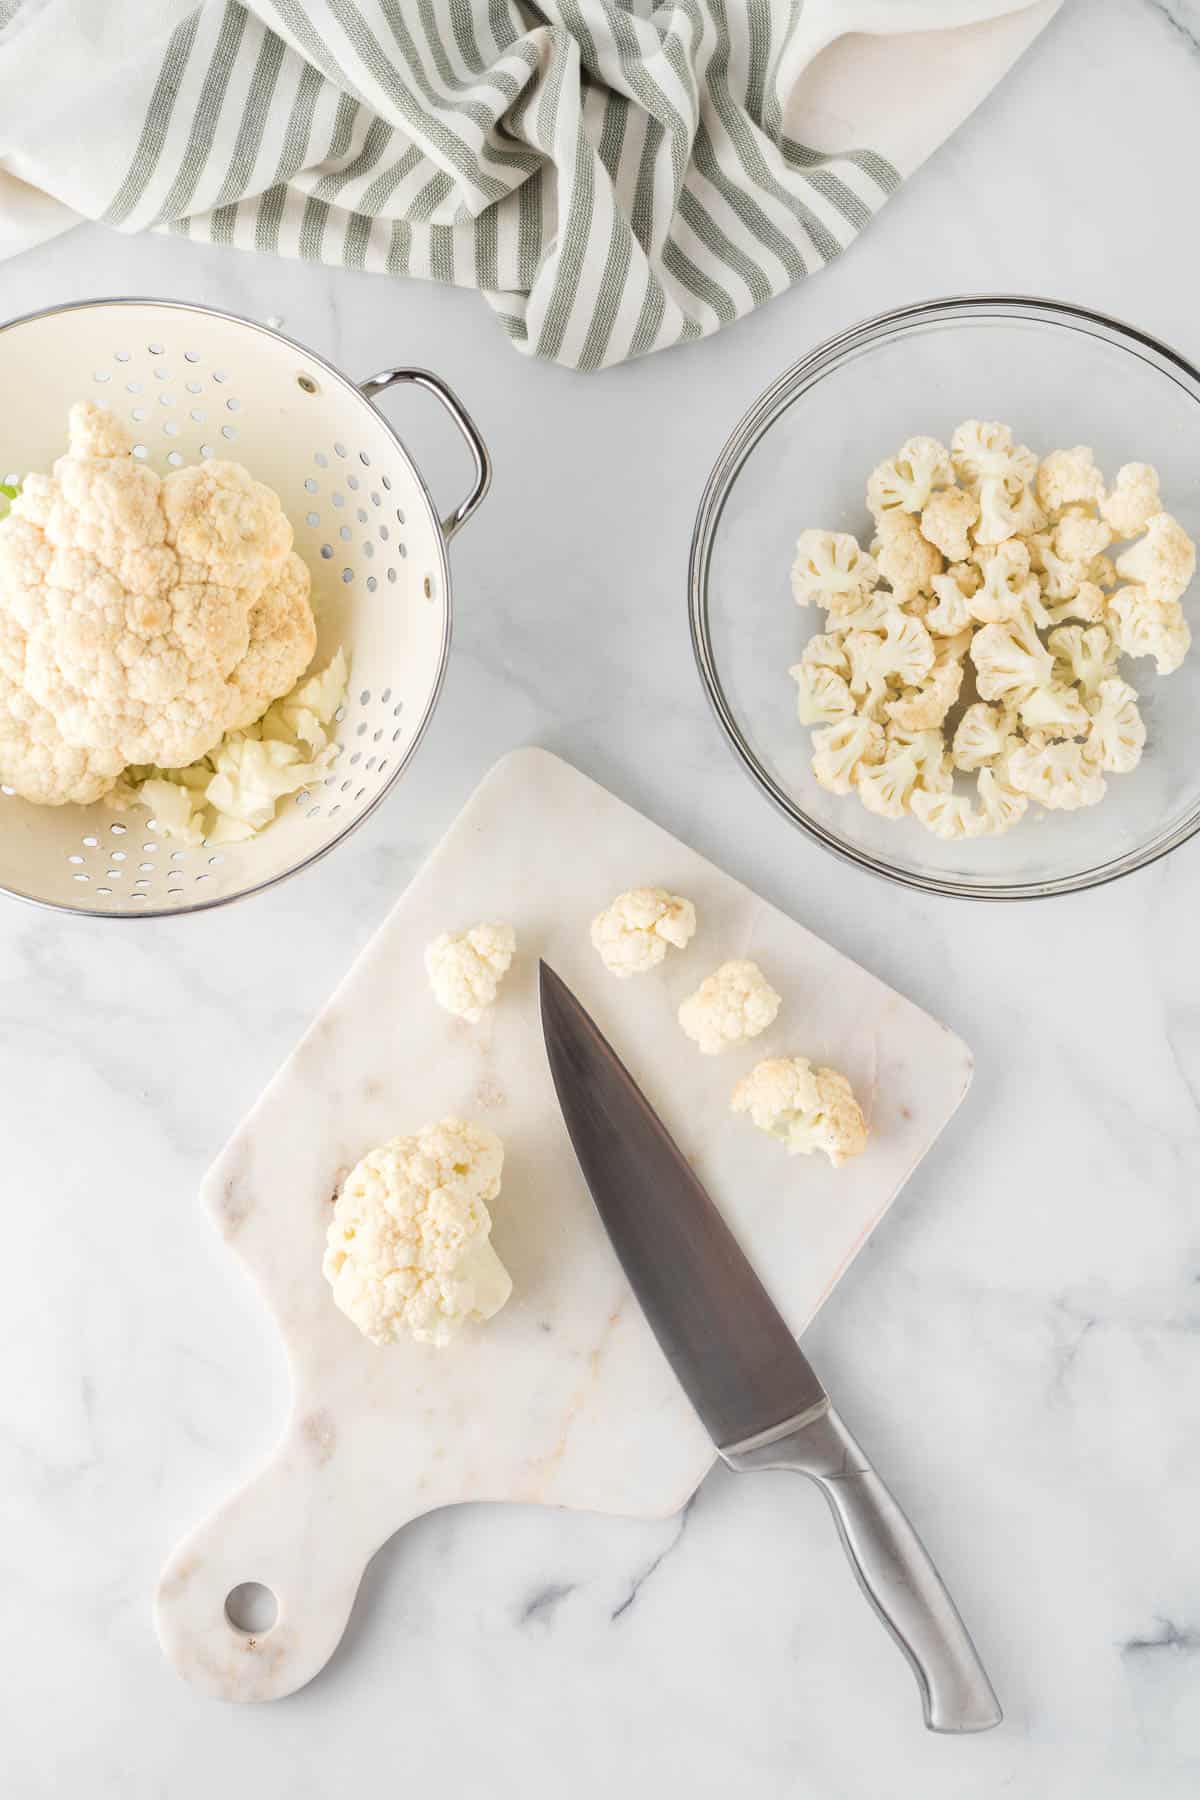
point(564, 1398)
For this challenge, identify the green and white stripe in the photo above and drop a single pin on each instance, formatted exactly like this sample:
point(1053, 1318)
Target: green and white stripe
point(614, 178)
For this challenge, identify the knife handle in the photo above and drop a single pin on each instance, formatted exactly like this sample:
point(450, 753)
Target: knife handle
point(893, 1569)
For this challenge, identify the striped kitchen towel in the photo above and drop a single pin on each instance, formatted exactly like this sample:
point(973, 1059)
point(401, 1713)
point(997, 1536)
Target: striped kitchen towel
point(614, 176)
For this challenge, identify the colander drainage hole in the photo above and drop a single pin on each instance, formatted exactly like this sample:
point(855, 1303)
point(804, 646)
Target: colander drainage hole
point(91, 842)
point(327, 551)
point(385, 696)
point(74, 859)
point(364, 699)
point(310, 484)
point(321, 460)
point(118, 830)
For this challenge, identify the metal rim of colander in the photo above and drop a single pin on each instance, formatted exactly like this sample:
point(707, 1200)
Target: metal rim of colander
point(334, 374)
point(749, 432)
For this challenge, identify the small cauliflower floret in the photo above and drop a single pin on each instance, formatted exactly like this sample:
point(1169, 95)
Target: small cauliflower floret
point(980, 737)
point(1060, 579)
point(1118, 732)
point(805, 1108)
point(907, 561)
point(1080, 536)
point(825, 650)
point(948, 815)
point(633, 933)
point(1068, 478)
point(1102, 571)
point(1061, 776)
point(1133, 500)
point(984, 450)
point(904, 653)
point(840, 749)
point(1145, 627)
point(821, 694)
point(884, 787)
point(1010, 660)
point(409, 1250)
point(953, 590)
point(907, 480)
point(1089, 655)
point(946, 521)
point(862, 612)
point(1087, 604)
point(935, 771)
point(1054, 712)
point(1162, 562)
point(466, 968)
point(734, 1004)
point(1001, 805)
point(999, 510)
point(1008, 588)
point(924, 708)
point(831, 567)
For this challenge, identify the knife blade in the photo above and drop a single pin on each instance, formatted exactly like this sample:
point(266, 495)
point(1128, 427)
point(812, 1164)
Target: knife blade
point(753, 1388)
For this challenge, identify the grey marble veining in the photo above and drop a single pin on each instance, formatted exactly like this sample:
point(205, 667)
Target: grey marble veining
point(1019, 1344)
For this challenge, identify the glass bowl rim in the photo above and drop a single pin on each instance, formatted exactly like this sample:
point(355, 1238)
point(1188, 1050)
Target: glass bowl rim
point(824, 359)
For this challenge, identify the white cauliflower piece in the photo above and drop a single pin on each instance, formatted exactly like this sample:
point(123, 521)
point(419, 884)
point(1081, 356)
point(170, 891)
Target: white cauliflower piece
point(907, 561)
point(946, 522)
point(907, 480)
point(1061, 776)
point(1010, 660)
point(840, 750)
point(935, 770)
point(983, 449)
point(953, 590)
point(1008, 588)
point(980, 737)
point(409, 1250)
point(1162, 562)
point(999, 510)
point(830, 568)
point(905, 652)
point(465, 968)
point(805, 1108)
point(1060, 579)
point(731, 1006)
point(633, 933)
point(35, 759)
point(1068, 478)
point(1143, 626)
point(1001, 806)
point(821, 694)
point(884, 788)
point(1079, 536)
point(948, 815)
point(147, 617)
point(1086, 604)
point(1132, 501)
point(825, 650)
point(924, 708)
point(1118, 733)
point(1088, 655)
point(1055, 711)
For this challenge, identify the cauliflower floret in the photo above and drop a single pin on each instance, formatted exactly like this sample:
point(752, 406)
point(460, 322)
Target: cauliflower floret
point(1060, 579)
point(907, 561)
point(1080, 536)
point(1089, 654)
point(905, 652)
point(884, 787)
point(952, 614)
point(1087, 604)
point(409, 1249)
point(805, 1108)
point(906, 481)
point(980, 737)
point(466, 968)
point(1054, 712)
point(821, 694)
point(946, 522)
point(924, 708)
point(1062, 776)
point(1145, 627)
point(1000, 804)
point(1118, 733)
point(831, 568)
point(148, 617)
point(1007, 588)
point(1010, 660)
point(1162, 563)
point(984, 450)
point(1067, 477)
point(840, 749)
point(825, 650)
point(1133, 500)
point(730, 1007)
point(948, 815)
point(1000, 510)
point(632, 934)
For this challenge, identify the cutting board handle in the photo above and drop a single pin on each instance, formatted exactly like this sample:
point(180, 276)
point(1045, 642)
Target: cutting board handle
point(291, 1532)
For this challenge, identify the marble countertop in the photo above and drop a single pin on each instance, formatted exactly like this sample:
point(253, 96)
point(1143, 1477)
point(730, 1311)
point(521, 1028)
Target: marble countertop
point(1018, 1345)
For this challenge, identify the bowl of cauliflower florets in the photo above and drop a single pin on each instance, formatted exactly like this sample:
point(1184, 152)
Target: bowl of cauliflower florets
point(941, 585)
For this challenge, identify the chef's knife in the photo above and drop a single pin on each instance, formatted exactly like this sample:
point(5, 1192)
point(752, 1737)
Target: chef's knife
point(743, 1371)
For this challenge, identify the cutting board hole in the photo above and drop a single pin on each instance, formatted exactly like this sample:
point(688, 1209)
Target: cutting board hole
point(252, 1608)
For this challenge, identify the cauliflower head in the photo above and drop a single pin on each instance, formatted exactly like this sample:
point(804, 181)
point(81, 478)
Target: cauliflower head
point(805, 1108)
point(633, 934)
point(409, 1252)
point(466, 968)
point(734, 1004)
point(145, 616)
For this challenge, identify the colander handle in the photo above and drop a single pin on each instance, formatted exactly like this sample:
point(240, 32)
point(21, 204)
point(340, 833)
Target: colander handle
point(379, 384)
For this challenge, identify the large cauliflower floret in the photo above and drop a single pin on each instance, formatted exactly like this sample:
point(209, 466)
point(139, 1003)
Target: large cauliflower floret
point(466, 968)
point(983, 450)
point(805, 1108)
point(1143, 626)
point(1162, 562)
point(1061, 776)
point(734, 1004)
point(1133, 500)
point(907, 480)
point(907, 561)
point(1069, 478)
point(946, 521)
point(147, 617)
point(1118, 732)
point(830, 568)
point(840, 750)
point(822, 695)
point(633, 934)
point(409, 1251)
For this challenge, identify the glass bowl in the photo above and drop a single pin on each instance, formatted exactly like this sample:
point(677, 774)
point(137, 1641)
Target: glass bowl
point(1059, 375)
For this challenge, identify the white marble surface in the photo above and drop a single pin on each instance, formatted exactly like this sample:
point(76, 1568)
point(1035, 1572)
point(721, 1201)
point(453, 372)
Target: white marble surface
point(1019, 1344)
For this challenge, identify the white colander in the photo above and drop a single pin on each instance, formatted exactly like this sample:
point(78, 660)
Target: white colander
point(192, 383)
